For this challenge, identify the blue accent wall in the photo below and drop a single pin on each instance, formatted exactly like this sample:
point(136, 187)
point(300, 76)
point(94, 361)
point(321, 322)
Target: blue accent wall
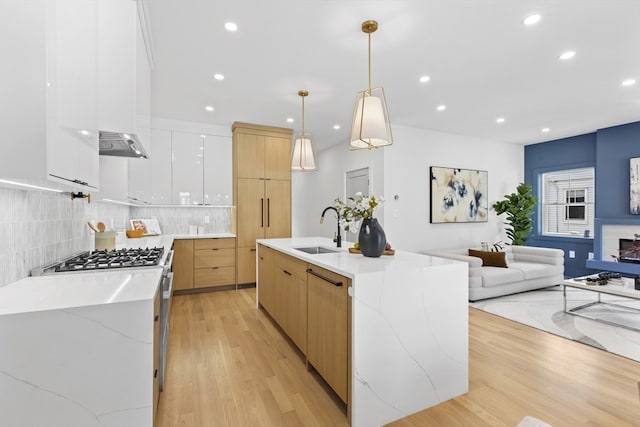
point(609, 151)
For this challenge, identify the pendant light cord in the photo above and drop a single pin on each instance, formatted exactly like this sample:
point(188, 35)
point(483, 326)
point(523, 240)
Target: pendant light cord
point(369, 71)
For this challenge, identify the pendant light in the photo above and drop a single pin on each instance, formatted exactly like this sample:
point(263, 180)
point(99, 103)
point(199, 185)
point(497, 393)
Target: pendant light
point(303, 157)
point(371, 127)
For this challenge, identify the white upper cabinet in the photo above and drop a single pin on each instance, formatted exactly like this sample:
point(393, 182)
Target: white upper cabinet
point(218, 177)
point(48, 113)
point(188, 160)
point(124, 74)
point(150, 179)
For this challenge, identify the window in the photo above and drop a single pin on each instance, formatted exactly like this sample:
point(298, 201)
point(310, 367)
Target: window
point(575, 205)
point(567, 202)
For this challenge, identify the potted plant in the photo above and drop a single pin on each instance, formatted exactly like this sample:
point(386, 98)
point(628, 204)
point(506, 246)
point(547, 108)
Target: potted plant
point(518, 206)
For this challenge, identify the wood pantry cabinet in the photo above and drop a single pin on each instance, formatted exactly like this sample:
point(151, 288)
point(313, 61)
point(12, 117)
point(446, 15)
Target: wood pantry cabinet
point(262, 190)
point(312, 306)
point(204, 263)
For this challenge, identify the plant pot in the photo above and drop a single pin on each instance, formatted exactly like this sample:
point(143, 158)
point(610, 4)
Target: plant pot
point(371, 238)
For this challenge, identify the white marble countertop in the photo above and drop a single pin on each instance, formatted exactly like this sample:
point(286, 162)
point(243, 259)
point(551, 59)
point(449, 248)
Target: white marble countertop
point(62, 291)
point(348, 264)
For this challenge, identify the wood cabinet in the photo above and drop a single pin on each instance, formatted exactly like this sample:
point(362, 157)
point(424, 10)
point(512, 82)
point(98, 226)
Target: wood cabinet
point(204, 263)
point(214, 262)
point(290, 296)
point(182, 264)
point(262, 189)
point(156, 351)
point(49, 94)
point(328, 326)
point(312, 306)
point(266, 285)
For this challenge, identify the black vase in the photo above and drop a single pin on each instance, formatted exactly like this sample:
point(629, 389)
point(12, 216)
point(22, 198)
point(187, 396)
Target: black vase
point(371, 238)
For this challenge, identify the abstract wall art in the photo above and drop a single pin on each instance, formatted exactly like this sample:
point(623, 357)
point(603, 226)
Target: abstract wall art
point(458, 195)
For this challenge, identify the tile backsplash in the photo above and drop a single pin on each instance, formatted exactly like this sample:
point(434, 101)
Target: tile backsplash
point(38, 228)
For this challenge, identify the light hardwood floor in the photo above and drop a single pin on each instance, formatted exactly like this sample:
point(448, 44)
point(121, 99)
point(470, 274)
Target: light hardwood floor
point(228, 365)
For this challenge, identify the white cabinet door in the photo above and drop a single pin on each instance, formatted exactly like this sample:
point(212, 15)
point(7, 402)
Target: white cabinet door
point(161, 167)
point(125, 77)
point(114, 175)
point(72, 145)
point(188, 157)
point(218, 160)
point(49, 93)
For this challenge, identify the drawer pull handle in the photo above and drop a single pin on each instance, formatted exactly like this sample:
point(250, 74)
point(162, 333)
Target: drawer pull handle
point(155, 373)
point(214, 249)
point(286, 272)
point(156, 318)
point(253, 249)
point(326, 279)
point(215, 268)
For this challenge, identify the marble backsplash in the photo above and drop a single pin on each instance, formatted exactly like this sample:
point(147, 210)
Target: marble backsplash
point(39, 227)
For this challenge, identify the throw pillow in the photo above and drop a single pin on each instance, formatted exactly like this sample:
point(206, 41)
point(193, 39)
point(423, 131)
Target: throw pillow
point(491, 259)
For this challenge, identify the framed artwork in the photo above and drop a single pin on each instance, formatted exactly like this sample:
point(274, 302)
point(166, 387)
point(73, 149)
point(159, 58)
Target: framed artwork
point(149, 227)
point(458, 195)
point(634, 185)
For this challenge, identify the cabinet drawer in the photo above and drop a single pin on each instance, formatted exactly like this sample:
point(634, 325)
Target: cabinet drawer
point(292, 265)
point(229, 243)
point(214, 276)
point(214, 258)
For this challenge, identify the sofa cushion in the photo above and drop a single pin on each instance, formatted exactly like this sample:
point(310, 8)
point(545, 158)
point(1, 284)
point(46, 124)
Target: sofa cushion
point(533, 270)
point(490, 259)
point(494, 276)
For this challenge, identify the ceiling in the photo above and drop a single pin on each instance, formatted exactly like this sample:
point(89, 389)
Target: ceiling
point(483, 63)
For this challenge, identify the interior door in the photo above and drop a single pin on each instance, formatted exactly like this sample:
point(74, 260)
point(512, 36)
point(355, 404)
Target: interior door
point(357, 181)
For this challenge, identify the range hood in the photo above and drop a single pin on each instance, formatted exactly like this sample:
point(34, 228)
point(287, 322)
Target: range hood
point(121, 145)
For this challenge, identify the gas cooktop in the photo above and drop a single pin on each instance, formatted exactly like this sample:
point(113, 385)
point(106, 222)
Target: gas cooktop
point(105, 260)
point(119, 258)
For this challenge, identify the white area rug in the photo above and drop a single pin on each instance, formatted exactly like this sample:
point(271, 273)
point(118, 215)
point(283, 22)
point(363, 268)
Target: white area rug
point(543, 309)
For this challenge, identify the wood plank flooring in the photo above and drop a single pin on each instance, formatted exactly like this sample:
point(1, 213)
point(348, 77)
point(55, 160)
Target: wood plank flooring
point(229, 365)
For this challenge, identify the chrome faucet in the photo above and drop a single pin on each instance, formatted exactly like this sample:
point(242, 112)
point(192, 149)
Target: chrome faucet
point(338, 238)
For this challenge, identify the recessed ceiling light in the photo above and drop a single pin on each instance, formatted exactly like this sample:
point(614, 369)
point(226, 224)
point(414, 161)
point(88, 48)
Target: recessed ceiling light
point(500, 120)
point(424, 79)
point(231, 26)
point(218, 76)
point(441, 107)
point(629, 82)
point(209, 108)
point(336, 127)
point(531, 19)
point(289, 119)
point(545, 130)
point(568, 55)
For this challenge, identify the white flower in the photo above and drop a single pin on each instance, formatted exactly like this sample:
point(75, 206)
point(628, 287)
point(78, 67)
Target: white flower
point(355, 209)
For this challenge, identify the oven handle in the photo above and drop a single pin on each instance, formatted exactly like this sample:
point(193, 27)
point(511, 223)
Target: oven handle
point(167, 285)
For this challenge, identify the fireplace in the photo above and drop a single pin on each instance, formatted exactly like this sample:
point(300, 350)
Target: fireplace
point(629, 250)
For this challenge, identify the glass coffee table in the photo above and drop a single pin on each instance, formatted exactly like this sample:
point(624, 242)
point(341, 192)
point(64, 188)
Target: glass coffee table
point(623, 287)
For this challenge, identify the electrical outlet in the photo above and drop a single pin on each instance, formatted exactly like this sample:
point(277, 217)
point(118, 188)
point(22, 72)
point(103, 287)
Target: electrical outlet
point(206, 219)
point(590, 256)
point(572, 254)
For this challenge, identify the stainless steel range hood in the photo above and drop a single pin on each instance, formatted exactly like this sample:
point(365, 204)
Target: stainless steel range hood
point(121, 145)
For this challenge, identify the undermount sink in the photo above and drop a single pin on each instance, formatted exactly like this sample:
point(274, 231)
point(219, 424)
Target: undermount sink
point(316, 250)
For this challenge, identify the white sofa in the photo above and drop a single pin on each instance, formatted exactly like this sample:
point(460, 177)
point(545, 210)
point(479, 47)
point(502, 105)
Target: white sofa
point(528, 268)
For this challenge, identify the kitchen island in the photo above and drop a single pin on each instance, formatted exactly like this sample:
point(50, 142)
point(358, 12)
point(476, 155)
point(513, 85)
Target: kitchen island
point(407, 334)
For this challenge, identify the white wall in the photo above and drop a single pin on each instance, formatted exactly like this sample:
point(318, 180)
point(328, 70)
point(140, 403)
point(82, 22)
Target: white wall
point(407, 164)
point(314, 191)
point(403, 170)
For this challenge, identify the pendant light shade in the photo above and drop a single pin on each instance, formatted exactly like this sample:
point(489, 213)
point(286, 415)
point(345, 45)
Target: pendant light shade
point(370, 127)
point(303, 156)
